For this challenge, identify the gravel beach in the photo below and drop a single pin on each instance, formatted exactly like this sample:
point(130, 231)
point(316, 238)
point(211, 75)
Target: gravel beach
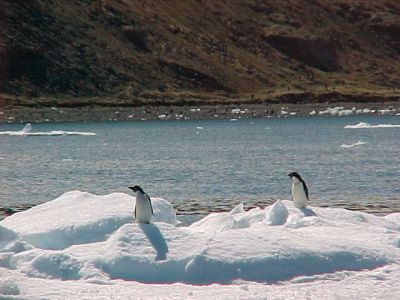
point(203, 112)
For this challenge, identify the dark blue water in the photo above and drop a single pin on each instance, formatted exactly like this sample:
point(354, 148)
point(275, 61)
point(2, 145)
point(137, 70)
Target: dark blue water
point(219, 164)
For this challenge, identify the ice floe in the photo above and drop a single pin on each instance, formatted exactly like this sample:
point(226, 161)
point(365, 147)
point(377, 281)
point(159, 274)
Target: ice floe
point(359, 143)
point(363, 125)
point(82, 242)
point(27, 131)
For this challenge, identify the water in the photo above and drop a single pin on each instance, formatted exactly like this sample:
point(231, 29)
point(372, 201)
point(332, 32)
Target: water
point(204, 166)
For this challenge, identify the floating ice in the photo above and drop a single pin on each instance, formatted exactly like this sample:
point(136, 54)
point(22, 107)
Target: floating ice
point(363, 125)
point(27, 128)
point(359, 143)
point(27, 131)
point(85, 246)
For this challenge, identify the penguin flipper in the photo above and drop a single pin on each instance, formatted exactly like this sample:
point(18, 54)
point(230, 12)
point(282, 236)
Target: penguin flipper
point(135, 212)
point(305, 189)
point(151, 206)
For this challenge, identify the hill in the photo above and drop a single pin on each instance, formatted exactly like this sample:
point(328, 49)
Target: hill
point(131, 53)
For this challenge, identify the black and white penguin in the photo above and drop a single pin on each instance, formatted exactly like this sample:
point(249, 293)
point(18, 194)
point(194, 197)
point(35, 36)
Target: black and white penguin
point(299, 190)
point(143, 207)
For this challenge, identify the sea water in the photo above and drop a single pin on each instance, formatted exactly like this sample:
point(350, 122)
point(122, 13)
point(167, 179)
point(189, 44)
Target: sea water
point(211, 165)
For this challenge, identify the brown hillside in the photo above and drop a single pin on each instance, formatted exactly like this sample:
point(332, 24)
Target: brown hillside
point(152, 50)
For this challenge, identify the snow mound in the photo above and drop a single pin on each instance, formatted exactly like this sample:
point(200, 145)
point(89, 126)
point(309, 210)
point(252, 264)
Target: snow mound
point(79, 218)
point(88, 238)
point(10, 242)
point(363, 125)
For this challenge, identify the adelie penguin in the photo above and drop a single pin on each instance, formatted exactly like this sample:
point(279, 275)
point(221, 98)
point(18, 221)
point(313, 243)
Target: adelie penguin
point(143, 207)
point(299, 190)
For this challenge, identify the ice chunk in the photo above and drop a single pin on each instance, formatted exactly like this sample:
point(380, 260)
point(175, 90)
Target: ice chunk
point(8, 287)
point(345, 112)
point(27, 128)
point(359, 143)
point(238, 209)
point(363, 125)
point(278, 213)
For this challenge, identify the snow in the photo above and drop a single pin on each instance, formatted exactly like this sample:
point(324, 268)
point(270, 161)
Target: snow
point(363, 125)
point(27, 131)
point(85, 246)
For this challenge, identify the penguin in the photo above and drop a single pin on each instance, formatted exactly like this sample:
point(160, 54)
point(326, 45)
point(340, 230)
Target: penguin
point(143, 207)
point(299, 190)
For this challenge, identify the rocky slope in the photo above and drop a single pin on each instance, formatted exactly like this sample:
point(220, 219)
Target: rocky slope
point(134, 52)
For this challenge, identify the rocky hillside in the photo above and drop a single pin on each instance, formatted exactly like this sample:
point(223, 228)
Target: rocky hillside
point(134, 52)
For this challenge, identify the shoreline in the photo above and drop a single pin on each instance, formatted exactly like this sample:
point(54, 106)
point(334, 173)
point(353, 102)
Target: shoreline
point(23, 114)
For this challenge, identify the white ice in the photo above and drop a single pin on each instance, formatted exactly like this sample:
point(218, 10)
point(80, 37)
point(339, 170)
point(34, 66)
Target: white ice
point(84, 246)
point(27, 128)
point(363, 125)
point(27, 131)
point(340, 111)
point(359, 143)
point(331, 111)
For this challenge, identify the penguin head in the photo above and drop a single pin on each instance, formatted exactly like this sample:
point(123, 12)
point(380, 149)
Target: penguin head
point(136, 188)
point(295, 176)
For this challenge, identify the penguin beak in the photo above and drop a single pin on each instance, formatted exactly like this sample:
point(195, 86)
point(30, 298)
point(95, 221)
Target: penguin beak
point(131, 187)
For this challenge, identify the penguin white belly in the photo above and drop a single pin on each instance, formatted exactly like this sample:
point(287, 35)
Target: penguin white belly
point(299, 195)
point(143, 211)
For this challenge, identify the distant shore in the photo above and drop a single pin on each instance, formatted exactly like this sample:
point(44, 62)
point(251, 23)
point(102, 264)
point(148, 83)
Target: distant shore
point(189, 112)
